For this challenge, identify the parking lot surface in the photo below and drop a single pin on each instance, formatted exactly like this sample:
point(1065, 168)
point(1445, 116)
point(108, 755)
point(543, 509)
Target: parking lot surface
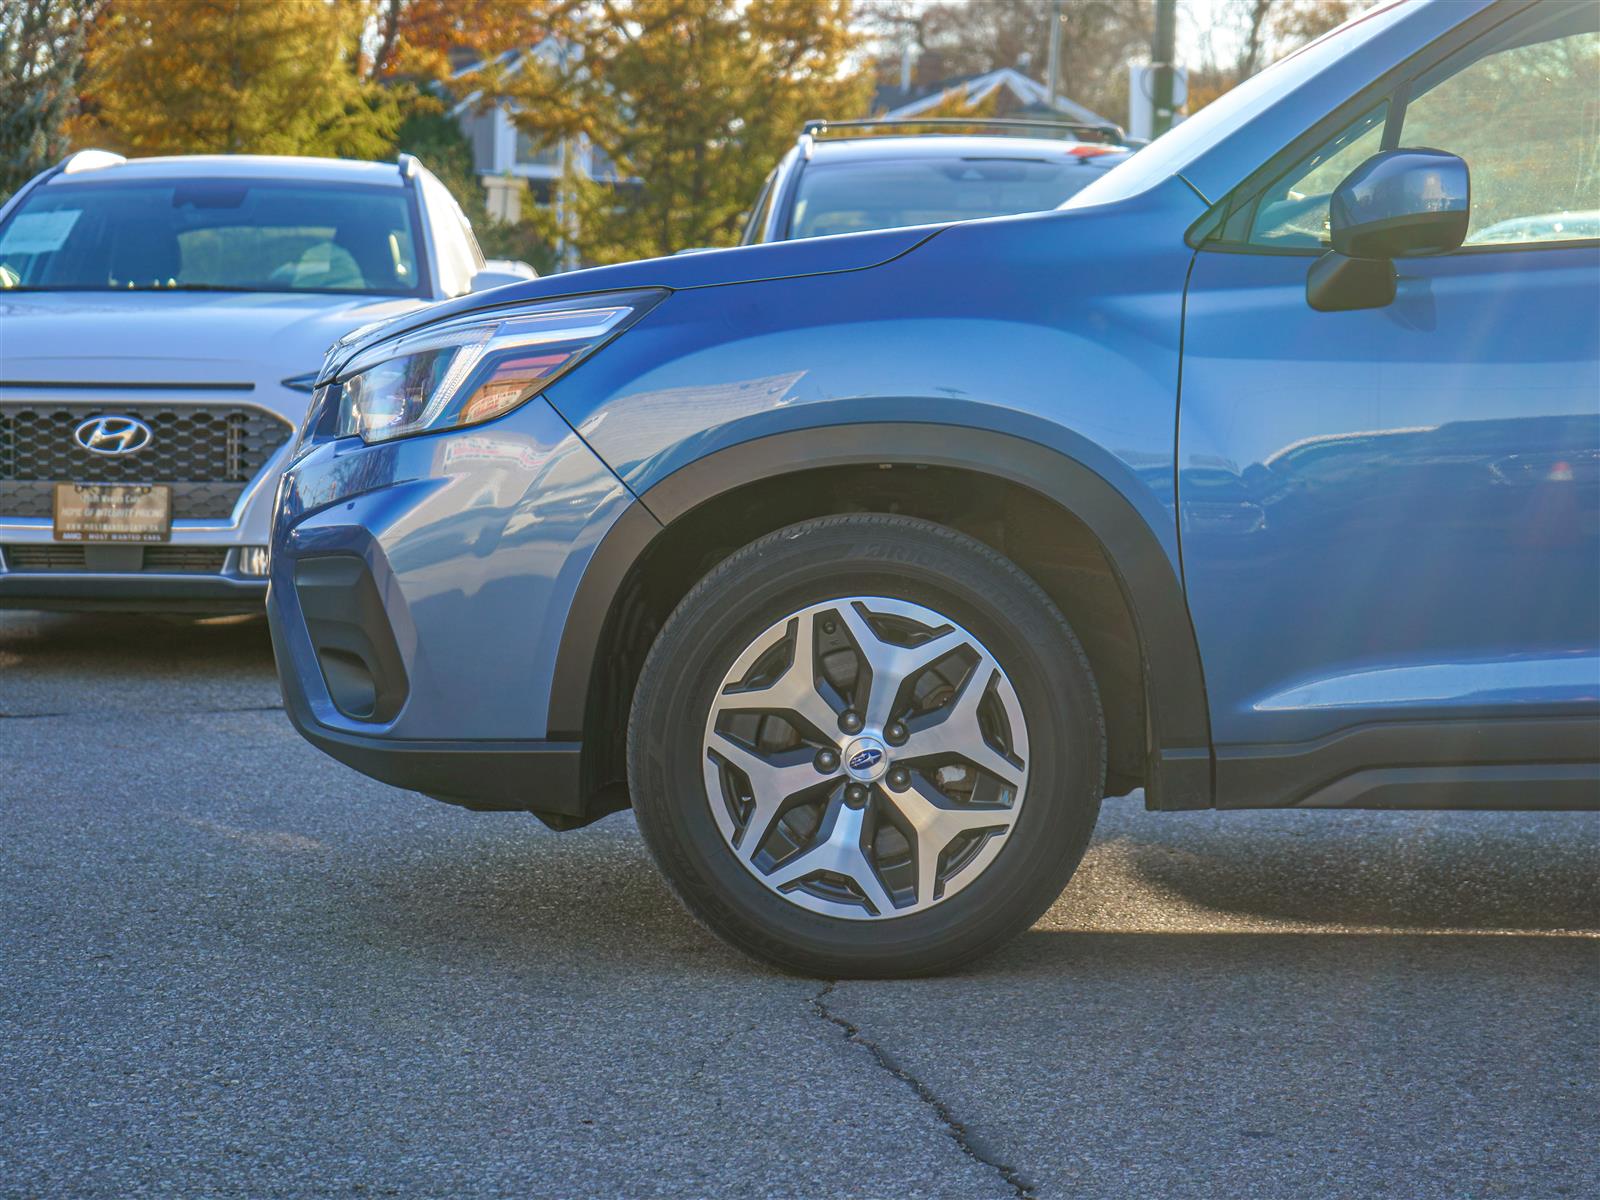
point(230, 966)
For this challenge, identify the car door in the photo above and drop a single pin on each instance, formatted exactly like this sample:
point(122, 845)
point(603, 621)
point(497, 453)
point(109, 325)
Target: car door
point(1389, 523)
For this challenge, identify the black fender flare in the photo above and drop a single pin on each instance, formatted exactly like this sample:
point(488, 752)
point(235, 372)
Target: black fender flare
point(1179, 754)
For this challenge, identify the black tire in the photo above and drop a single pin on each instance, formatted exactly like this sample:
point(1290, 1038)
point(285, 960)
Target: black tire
point(900, 558)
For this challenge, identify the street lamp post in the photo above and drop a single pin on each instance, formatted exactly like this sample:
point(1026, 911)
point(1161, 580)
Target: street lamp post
point(1162, 51)
point(1055, 52)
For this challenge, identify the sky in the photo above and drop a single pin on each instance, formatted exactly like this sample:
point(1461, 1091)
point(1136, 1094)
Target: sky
point(1199, 22)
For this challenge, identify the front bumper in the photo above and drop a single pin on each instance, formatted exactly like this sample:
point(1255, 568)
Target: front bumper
point(146, 591)
point(197, 571)
point(538, 776)
point(418, 593)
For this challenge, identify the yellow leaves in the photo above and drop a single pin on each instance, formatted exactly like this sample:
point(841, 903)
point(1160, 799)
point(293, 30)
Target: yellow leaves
point(234, 76)
point(425, 31)
point(695, 100)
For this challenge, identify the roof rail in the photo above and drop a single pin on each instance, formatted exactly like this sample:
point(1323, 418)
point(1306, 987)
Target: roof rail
point(410, 166)
point(89, 160)
point(1093, 133)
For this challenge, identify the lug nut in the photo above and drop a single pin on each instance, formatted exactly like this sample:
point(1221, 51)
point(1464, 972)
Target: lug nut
point(850, 721)
point(827, 761)
point(855, 795)
point(899, 779)
point(894, 733)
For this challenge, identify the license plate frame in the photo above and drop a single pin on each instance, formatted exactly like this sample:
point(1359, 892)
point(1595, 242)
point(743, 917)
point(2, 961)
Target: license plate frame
point(138, 513)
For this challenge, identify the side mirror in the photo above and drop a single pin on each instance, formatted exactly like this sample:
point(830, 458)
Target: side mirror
point(1399, 204)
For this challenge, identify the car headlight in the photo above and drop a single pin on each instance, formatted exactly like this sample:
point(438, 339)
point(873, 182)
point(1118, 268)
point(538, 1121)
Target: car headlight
point(474, 368)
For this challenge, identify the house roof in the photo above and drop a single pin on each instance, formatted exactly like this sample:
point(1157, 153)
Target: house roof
point(1030, 95)
point(511, 63)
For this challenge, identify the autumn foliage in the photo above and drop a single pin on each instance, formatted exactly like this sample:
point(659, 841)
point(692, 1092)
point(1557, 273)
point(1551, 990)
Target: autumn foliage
point(693, 101)
point(417, 38)
point(233, 76)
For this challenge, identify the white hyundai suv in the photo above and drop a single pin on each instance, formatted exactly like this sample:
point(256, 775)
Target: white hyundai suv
point(161, 322)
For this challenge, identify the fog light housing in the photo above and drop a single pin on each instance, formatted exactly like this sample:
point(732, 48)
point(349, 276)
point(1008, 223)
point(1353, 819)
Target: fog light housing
point(253, 560)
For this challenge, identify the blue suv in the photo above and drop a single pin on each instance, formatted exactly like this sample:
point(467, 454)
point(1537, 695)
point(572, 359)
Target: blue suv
point(1266, 472)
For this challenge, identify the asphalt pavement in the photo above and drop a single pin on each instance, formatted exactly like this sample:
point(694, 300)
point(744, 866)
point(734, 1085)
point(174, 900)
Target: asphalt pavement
point(230, 966)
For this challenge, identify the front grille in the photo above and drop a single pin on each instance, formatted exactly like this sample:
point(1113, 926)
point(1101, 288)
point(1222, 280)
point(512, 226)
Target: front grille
point(206, 453)
point(179, 560)
point(206, 560)
point(44, 558)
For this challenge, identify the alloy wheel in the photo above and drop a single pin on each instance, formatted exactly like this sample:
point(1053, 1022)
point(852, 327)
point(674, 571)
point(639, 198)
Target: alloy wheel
point(866, 758)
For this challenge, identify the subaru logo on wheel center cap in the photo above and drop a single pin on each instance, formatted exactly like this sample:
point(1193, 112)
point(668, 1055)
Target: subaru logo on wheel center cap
point(865, 759)
point(113, 435)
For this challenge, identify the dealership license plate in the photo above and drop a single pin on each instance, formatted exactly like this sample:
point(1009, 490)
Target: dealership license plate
point(113, 512)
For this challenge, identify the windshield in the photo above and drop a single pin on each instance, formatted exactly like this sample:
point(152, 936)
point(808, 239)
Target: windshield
point(211, 235)
point(1172, 151)
point(852, 196)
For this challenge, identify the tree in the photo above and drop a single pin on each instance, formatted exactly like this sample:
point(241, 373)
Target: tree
point(417, 37)
point(1255, 37)
point(429, 131)
point(951, 40)
point(235, 76)
point(693, 101)
point(1254, 33)
point(1296, 22)
point(41, 57)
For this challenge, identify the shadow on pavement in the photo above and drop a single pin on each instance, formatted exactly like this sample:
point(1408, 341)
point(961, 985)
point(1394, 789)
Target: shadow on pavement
point(133, 642)
point(58, 663)
point(1484, 872)
point(590, 900)
point(1088, 1062)
point(595, 896)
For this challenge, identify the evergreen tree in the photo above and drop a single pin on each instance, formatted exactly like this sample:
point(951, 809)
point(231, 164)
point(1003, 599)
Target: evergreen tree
point(41, 56)
point(235, 76)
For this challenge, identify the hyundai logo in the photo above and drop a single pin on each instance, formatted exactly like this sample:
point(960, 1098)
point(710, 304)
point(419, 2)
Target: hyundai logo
point(865, 760)
point(113, 435)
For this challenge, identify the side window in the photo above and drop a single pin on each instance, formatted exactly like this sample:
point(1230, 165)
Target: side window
point(1292, 213)
point(1519, 105)
point(758, 215)
point(455, 266)
point(1522, 106)
point(474, 251)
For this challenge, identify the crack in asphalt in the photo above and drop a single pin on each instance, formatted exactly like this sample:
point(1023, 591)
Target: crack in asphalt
point(964, 1139)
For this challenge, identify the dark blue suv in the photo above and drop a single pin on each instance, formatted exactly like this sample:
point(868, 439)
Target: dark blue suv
point(856, 176)
point(1266, 472)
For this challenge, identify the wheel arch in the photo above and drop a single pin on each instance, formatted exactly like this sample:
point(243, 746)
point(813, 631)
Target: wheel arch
point(1177, 763)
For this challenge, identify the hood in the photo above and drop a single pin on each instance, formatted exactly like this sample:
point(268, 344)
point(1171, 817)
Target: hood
point(705, 268)
point(176, 337)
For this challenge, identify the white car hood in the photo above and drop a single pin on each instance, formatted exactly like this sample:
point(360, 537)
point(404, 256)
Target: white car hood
point(106, 339)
